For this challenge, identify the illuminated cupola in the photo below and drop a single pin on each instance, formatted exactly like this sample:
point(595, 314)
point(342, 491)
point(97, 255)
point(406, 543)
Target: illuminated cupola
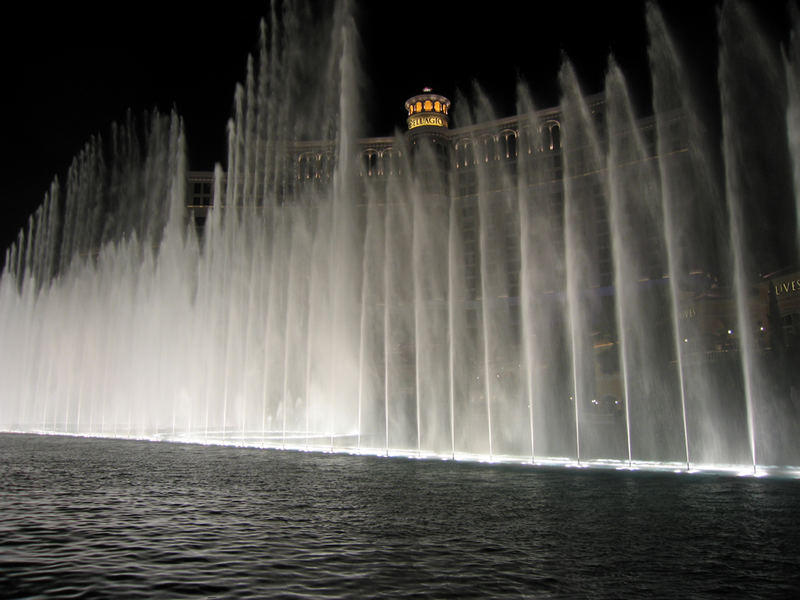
point(427, 110)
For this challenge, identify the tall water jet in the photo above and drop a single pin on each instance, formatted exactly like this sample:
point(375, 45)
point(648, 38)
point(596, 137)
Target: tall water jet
point(791, 61)
point(585, 226)
point(543, 315)
point(761, 234)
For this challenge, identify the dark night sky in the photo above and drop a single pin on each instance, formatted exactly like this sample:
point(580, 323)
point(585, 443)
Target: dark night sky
point(68, 74)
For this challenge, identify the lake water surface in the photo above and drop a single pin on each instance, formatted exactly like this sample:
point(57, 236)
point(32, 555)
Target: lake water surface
point(86, 518)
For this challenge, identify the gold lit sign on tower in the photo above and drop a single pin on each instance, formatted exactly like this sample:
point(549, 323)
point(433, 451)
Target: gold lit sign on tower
point(426, 120)
point(427, 110)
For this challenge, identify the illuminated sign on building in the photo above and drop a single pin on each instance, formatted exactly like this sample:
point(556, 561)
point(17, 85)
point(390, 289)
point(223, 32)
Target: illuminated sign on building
point(785, 288)
point(426, 120)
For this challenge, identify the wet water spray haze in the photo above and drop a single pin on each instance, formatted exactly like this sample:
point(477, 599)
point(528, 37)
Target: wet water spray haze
point(512, 289)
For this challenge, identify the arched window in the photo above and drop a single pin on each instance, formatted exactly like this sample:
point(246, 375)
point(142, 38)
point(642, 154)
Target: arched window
point(469, 157)
point(304, 166)
point(551, 135)
point(379, 158)
point(369, 163)
point(317, 166)
point(325, 165)
point(555, 135)
point(388, 161)
point(488, 148)
point(526, 140)
point(510, 143)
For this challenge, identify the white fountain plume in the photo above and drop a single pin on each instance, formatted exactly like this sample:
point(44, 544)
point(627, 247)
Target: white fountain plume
point(546, 288)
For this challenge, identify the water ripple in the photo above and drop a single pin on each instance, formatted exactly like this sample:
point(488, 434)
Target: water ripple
point(97, 518)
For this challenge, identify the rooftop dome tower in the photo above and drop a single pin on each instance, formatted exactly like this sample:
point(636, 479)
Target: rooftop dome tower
point(427, 110)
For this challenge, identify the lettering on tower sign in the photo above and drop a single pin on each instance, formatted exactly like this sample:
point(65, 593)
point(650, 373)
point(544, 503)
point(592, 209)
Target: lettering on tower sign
point(422, 120)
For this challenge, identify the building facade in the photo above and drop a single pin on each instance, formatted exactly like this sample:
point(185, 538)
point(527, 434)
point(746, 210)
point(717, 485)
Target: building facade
point(522, 187)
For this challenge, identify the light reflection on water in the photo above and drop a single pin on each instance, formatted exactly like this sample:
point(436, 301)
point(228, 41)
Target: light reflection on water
point(99, 518)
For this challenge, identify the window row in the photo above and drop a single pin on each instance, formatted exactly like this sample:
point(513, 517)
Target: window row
point(507, 144)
